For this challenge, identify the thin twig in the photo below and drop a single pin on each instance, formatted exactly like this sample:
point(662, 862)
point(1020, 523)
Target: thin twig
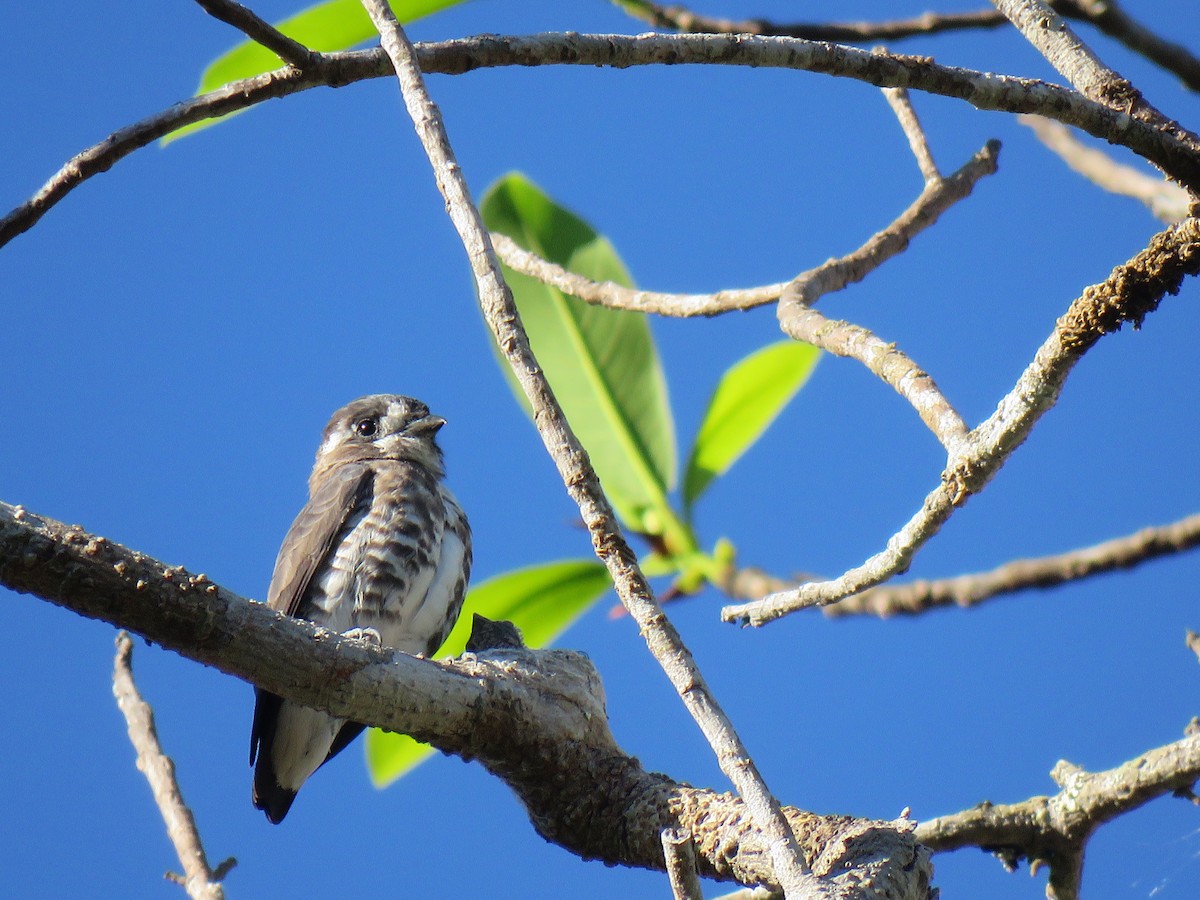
point(262, 32)
point(1112, 20)
point(1055, 830)
point(617, 296)
point(679, 855)
point(885, 360)
point(800, 321)
point(201, 881)
point(898, 100)
point(1022, 574)
point(1130, 293)
point(1193, 642)
point(682, 19)
point(1169, 202)
point(577, 473)
point(1177, 154)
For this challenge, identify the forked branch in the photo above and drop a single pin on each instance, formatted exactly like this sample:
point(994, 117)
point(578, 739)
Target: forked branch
point(535, 719)
point(1129, 294)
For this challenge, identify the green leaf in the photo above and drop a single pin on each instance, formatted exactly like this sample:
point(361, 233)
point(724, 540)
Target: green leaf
point(601, 363)
point(325, 27)
point(748, 398)
point(543, 601)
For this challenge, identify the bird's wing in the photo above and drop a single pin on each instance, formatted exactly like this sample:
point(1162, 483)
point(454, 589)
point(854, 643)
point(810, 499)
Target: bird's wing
point(314, 532)
point(305, 548)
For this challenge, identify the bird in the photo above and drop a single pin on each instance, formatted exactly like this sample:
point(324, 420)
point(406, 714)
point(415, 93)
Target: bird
point(381, 552)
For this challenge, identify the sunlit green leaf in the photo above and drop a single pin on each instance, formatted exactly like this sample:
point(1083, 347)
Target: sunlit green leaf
point(541, 600)
point(325, 27)
point(601, 363)
point(748, 398)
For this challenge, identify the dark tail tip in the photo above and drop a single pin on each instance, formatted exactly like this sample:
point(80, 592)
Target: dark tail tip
point(272, 799)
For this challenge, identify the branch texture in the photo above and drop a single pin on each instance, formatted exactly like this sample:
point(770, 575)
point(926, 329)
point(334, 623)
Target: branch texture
point(535, 719)
point(1129, 294)
point(1105, 15)
point(1168, 202)
point(1054, 830)
point(201, 881)
point(1045, 572)
point(575, 469)
point(261, 31)
point(1177, 154)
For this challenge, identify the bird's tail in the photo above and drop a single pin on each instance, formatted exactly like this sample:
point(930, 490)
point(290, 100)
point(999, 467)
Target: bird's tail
point(266, 793)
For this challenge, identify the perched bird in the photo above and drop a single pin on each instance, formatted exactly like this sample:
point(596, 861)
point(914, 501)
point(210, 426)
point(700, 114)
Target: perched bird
point(381, 551)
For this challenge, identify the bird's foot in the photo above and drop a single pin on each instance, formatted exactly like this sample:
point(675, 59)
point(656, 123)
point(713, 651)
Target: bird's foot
point(370, 635)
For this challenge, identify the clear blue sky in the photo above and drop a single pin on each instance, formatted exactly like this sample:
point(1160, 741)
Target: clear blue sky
point(175, 334)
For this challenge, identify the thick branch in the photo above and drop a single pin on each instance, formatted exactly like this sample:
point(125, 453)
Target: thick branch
point(1075, 61)
point(200, 880)
point(1130, 293)
point(1054, 830)
point(1176, 154)
point(1022, 574)
point(536, 719)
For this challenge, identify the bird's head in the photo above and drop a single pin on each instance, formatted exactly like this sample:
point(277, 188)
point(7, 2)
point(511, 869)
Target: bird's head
point(381, 426)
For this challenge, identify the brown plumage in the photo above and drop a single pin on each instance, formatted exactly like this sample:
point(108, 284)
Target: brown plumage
point(381, 551)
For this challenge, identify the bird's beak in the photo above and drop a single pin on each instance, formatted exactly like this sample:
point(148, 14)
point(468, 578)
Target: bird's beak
point(428, 425)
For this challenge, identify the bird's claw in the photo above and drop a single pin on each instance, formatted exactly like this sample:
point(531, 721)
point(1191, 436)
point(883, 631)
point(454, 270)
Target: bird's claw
point(370, 635)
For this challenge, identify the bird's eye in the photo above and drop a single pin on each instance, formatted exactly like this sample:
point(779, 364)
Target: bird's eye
point(367, 427)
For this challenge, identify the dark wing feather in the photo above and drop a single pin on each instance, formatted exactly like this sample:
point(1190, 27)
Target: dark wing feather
point(312, 535)
point(308, 542)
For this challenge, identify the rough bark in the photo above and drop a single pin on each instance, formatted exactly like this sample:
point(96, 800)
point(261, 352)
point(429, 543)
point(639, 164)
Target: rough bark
point(536, 719)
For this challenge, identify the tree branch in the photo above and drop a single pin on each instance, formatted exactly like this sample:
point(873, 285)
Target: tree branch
point(1112, 21)
point(1055, 830)
point(1177, 154)
point(261, 32)
point(833, 275)
point(797, 320)
point(1130, 293)
point(1076, 62)
point(1168, 202)
point(680, 18)
point(889, 363)
point(575, 469)
point(680, 858)
point(1044, 572)
point(200, 881)
point(902, 107)
point(536, 719)
point(617, 296)
point(1103, 14)
point(885, 360)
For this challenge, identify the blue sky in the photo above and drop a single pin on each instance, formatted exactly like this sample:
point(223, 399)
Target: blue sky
point(176, 333)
